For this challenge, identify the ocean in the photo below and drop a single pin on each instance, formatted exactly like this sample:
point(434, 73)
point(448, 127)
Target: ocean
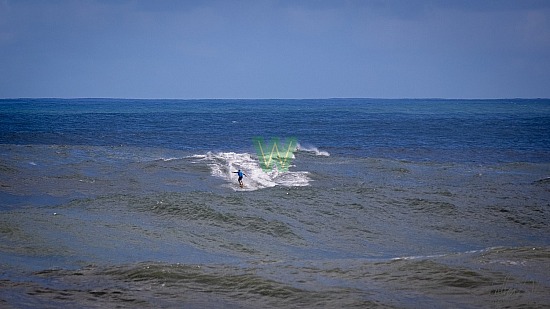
point(402, 203)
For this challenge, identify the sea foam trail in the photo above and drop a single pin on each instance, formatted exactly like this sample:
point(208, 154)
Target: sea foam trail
point(312, 149)
point(224, 164)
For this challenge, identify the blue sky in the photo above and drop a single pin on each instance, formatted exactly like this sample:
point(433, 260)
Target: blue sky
point(274, 49)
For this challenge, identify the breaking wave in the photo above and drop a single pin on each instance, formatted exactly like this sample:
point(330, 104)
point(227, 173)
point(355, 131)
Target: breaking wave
point(312, 149)
point(224, 164)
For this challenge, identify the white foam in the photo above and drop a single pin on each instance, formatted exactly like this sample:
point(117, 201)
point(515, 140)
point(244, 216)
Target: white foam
point(196, 157)
point(312, 149)
point(224, 164)
point(169, 159)
point(432, 256)
point(418, 257)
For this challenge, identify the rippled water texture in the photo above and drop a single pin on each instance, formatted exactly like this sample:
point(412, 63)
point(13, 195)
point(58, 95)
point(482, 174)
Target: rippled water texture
point(148, 222)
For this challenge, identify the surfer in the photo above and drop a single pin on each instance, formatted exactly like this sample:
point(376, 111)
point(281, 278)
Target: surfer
point(241, 174)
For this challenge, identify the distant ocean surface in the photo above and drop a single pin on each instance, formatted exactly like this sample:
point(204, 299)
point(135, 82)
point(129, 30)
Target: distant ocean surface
point(108, 203)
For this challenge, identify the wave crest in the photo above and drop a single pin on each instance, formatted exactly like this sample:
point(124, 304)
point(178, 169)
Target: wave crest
point(312, 149)
point(224, 164)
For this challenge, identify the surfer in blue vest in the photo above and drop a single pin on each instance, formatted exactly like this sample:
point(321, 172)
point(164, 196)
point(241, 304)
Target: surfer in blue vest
point(240, 174)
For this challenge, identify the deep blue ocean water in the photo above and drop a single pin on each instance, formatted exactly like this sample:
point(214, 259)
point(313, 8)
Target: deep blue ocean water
point(387, 203)
point(419, 130)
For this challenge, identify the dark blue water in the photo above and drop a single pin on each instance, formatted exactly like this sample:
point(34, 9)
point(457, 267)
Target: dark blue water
point(440, 130)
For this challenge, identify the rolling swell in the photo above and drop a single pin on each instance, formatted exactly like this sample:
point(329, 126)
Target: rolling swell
point(456, 280)
point(153, 285)
point(196, 207)
point(210, 222)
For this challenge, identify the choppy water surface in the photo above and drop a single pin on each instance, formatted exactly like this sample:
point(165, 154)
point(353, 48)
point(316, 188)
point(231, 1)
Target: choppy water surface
point(110, 223)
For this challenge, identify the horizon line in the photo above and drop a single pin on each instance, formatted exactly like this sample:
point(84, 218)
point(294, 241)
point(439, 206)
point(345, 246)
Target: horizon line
point(266, 99)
